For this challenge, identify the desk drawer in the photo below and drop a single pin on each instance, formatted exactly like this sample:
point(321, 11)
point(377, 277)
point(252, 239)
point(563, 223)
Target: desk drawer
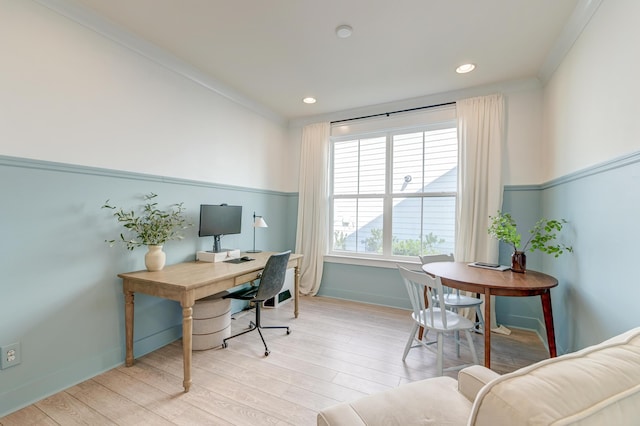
point(251, 276)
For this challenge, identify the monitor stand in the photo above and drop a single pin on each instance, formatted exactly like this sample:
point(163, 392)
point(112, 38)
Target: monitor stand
point(216, 245)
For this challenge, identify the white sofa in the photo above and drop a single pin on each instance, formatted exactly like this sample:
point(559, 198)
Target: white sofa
point(599, 385)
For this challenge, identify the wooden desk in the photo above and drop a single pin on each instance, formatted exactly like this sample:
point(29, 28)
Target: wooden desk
point(189, 281)
point(496, 283)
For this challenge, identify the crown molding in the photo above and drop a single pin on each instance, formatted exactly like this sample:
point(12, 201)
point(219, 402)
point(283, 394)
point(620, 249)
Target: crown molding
point(582, 14)
point(106, 28)
point(504, 87)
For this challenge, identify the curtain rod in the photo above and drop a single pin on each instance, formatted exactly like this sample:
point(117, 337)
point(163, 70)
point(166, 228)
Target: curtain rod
point(393, 112)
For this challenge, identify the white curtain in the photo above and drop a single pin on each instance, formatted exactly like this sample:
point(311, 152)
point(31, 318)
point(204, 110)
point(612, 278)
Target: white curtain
point(480, 187)
point(311, 236)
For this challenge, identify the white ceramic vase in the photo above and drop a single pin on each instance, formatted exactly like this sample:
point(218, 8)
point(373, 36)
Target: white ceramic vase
point(155, 258)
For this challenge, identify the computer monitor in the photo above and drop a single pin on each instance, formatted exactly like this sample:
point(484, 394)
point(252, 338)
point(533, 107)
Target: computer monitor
point(219, 220)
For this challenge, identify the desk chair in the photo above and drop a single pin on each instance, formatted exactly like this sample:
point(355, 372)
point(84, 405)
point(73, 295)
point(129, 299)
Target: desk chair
point(433, 317)
point(271, 282)
point(453, 299)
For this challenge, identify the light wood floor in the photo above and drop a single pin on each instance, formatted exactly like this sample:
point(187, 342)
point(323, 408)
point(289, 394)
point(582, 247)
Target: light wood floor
point(337, 351)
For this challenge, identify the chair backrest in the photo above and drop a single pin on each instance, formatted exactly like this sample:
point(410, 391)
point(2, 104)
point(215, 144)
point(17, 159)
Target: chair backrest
point(273, 274)
point(439, 258)
point(436, 258)
point(418, 285)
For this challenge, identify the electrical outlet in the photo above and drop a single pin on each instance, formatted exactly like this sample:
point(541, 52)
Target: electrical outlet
point(10, 355)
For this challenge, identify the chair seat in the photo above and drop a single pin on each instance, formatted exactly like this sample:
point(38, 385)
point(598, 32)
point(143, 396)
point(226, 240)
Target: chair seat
point(459, 301)
point(454, 321)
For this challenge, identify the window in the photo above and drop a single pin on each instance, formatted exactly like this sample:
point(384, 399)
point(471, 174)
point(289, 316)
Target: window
point(394, 193)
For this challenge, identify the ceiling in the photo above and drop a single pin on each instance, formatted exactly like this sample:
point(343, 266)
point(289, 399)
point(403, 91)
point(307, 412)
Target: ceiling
point(276, 52)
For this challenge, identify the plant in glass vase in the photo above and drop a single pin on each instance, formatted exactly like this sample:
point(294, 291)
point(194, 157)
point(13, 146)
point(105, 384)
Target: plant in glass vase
point(542, 237)
point(151, 227)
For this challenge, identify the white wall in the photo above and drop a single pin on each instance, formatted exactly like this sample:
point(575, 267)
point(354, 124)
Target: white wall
point(522, 155)
point(590, 113)
point(72, 95)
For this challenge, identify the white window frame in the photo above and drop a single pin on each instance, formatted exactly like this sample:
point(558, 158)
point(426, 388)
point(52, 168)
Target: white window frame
point(427, 120)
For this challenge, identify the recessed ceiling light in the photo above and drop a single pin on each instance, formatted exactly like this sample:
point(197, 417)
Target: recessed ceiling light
point(344, 31)
point(309, 100)
point(465, 68)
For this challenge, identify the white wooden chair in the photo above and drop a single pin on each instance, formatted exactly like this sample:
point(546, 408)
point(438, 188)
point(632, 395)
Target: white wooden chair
point(452, 298)
point(433, 317)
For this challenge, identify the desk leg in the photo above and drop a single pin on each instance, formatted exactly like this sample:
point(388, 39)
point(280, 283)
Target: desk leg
point(128, 327)
point(487, 328)
point(296, 289)
point(548, 322)
point(187, 329)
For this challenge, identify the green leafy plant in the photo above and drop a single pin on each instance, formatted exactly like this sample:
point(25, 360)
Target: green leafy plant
point(373, 244)
point(543, 234)
point(417, 247)
point(152, 226)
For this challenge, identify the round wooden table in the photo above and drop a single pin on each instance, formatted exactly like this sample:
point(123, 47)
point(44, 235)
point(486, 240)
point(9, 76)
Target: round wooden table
point(498, 283)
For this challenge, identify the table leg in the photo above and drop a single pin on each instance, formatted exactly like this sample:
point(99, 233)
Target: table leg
point(187, 329)
point(296, 289)
point(487, 328)
point(128, 327)
point(548, 322)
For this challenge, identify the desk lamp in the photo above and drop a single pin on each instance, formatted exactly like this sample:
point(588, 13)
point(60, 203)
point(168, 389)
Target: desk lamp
point(258, 222)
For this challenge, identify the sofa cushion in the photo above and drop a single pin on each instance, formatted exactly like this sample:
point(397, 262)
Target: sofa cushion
point(433, 401)
point(595, 386)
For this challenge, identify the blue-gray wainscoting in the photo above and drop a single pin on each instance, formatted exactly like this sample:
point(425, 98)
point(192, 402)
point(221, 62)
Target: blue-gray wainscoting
point(60, 296)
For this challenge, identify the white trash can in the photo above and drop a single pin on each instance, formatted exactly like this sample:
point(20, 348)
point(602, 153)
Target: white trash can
point(211, 322)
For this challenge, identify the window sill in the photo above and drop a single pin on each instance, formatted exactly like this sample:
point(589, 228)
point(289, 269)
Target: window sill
point(373, 262)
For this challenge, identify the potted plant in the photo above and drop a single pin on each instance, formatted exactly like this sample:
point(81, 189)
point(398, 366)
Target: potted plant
point(543, 236)
point(151, 227)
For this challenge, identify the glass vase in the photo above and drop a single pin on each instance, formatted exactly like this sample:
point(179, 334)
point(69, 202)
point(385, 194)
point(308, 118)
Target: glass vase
point(519, 262)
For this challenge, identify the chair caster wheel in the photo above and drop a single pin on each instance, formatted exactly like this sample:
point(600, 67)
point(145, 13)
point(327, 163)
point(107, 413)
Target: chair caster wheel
point(266, 353)
point(224, 345)
point(288, 331)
